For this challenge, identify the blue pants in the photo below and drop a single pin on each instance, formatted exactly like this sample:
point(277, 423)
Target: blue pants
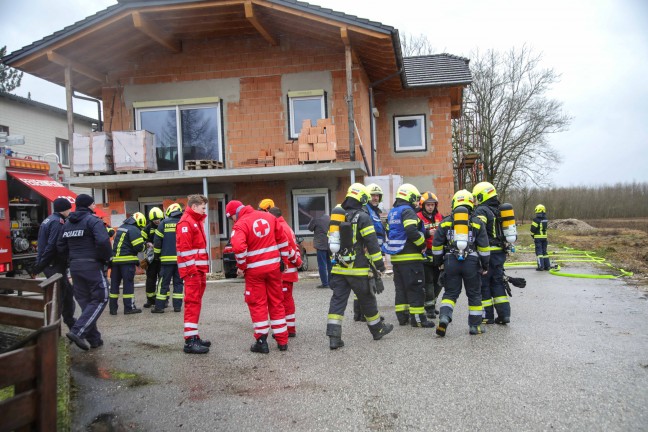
point(91, 292)
point(544, 263)
point(125, 272)
point(168, 272)
point(324, 265)
point(492, 288)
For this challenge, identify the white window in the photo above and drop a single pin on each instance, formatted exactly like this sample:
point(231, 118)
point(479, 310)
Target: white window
point(188, 129)
point(308, 204)
point(409, 133)
point(305, 105)
point(62, 150)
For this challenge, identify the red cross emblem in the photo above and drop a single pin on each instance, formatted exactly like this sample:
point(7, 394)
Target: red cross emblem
point(261, 228)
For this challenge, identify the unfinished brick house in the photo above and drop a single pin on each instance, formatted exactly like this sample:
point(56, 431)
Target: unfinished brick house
point(233, 82)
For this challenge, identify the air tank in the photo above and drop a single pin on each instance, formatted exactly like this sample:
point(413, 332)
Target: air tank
point(507, 216)
point(460, 217)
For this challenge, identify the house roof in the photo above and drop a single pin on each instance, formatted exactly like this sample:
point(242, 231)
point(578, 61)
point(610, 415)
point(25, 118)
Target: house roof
point(43, 106)
point(436, 70)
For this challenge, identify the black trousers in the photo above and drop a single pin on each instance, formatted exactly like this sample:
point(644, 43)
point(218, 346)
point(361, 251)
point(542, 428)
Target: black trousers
point(125, 273)
point(168, 272)
point(492, 288)
point(466, 272)
point(410, 289)
point(342, 287)
point(432, 286)
point(152, 274)
point(544, 263)
point(66, 295)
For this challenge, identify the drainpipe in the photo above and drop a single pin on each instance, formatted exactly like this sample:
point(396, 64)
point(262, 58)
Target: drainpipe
point(372, 129)
point(99, 122)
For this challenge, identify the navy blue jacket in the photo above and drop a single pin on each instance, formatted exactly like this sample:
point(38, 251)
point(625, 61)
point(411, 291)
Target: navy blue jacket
point(84, 236)
point(128, 243)
point(164, 244)
point(48, 236)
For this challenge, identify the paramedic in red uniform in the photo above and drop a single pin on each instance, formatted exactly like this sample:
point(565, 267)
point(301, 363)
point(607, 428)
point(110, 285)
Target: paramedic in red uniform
point(258, 241)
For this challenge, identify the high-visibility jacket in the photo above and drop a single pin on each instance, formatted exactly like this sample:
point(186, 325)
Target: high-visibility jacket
point(539, 226)
point(164, 239)
point(405, 241)
point(290, 273)
point(430, 223)
point(489, 213)
point(128, 243)
point(191, 244)
point(149, 231)
point(258, 241)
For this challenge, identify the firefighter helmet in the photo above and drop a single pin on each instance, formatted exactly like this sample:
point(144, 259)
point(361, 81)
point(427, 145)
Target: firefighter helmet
point(173, 208)
point(374, 189)
point(540, 209)
point(428, 197)
point(408, 192)
point(265, 204)
point(155, 214)
point(463, 198)
point(140, 219)
point(484, 191)
point(358, 192)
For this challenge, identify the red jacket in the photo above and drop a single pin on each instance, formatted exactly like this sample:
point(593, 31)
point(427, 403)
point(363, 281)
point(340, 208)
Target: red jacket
point(430, 226)
point(290, 272)
point(191, 244)
point(257, 240)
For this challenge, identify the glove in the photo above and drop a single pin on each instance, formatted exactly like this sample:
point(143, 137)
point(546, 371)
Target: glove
point(381, 268)
point(379, 285)
point(517, 282)
point(36, 269)
point(507, 288)
point(372, 285)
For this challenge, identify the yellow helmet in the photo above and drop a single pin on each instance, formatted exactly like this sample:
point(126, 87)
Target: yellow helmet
point(155, 214)
point(428, 197)
point(140, 219)
point(265, 204)
point(358, 192)
point(484, 191)
point(540, 209)
point(463, 197)
point(408, 192)
point(173, 208)
point(374, 189)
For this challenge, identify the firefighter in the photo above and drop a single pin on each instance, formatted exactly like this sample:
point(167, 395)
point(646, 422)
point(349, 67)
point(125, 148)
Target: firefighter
point(193, 265)
point(165, 253)
point(539, 234)
point(290, 274)
point(85, 242)
point(259, 242)
point(153, 269)
point(50, 263)
point(461, 244)
point(430, 217)
point(405, 241)
point(127, 244)
point(355, 250)
point(492, 284)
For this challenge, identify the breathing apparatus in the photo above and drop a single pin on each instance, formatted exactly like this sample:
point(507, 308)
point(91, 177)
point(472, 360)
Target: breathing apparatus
point(509, 229)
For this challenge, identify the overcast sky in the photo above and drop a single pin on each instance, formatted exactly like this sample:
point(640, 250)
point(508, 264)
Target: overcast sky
point(600, 47)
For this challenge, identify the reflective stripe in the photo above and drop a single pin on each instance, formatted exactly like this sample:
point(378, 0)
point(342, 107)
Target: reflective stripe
point(407, 257)
point(291, 316)
point(186, 264)
point(191, 325)
point(187, 253)
point(408, 222)
point(241, 255)
point(437, 251)
point(419, 241)
point(280, 330)
point(261, 324)
point(401, 307)
point(350, 271)
point(291, 270)
point(417, 310)
point(262, 250)
point(448, 302)
point(264, 262)
point(487, 303)
point(137, 241)
point(277, 322)
point(262, 331)
point(282, 245)
point(476, 312)
point(202, 262)
point(500, 300)
point(367, 231)
point(191, 333)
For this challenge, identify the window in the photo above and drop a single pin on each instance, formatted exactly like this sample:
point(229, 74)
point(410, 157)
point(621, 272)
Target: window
point(4, 129)
point(308, 204)
point(188, 130)
point(217, 218)
point(62, 150)
point(305, 105)
point(409, 133)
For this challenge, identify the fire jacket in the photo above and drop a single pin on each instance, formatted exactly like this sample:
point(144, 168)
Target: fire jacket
point(404, 239)
point(258, 241)
point(477, 244)
point(84, 237)
point(48, 236)
point(128, 243)
point(191, 244)
point(430, 223)
point(489, 213)
point(164, 239)
point(148, 232)
point(538, 226)
point(290, 272)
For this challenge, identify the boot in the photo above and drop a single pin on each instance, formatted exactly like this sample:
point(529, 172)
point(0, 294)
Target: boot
point(204, 343)
point(381, 329)
point(430, 312)
point(444, 321)
point(132, 310)
point(334, 332)
point(282, 347)
point(403, 318)
point(488, 321)
point(335, 342)
point(502, 320)
point(193, 346)
point(150, 302)
point(420, 320)
point(478, 329)
point(261, 346)
point(156, 310)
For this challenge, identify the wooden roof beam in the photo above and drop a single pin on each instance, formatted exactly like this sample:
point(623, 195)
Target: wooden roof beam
point(346, 40)
point(77, 67)
point(150, 30)
point(249, 15)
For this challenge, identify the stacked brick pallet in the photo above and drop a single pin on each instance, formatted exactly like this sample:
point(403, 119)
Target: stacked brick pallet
point(317, 143)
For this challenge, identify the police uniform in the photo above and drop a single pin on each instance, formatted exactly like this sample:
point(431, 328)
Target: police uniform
point(127, 244)
point(164, 245)
point(85, 240)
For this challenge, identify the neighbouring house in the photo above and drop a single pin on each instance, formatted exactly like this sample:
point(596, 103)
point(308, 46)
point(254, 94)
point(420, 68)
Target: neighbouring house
point(232, 82)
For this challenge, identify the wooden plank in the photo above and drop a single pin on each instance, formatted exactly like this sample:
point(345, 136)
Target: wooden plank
point(249, 14)
point(150, 30)
point(47, 351)
point(18, 366)
point(18, 284)
point(21, 320)
point(78, 67)
point(25, 303)
point(23, 411)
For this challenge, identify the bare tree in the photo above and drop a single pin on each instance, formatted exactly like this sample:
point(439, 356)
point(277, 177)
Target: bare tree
point(508, 118)
point(9, 77)
point(415, 45)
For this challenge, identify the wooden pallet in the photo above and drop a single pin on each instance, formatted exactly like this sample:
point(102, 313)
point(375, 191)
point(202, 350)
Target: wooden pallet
point(202, 164)
point(307, 162)
point(133, 171)
point(96, 173)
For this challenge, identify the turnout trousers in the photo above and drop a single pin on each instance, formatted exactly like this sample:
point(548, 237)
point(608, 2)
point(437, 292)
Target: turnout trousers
point(152, 274)
point(264, 297)
point(91, 292)
point(432, 286)
point(66, 295)
point(492, 288)
point(168, 272)
point(122, 273)
point(195, 285)
point(544, 263)
point(466, 272)
point(342, 287)
point(410, 290)
point(289, 306)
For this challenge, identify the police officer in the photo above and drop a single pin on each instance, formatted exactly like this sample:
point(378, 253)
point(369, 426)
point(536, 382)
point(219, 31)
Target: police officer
point(539, 234)
point(461, 244)
point(153, 269)
point(85, 241)
point(405, 241)
point(492, 283)
point(127, 244)
point(355, 248)
point(50, 263)
point(166, 254)
point(430, 217)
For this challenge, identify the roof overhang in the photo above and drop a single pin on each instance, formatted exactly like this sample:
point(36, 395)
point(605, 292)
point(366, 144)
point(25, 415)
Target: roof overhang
point(165, 178)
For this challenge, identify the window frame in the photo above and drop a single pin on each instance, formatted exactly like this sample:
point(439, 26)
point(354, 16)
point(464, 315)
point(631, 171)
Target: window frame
point(397, 147)
point(304, 95)
point(295, 208)
point(59, 142)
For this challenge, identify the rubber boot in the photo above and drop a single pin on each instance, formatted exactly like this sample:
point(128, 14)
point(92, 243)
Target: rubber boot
point(334, 332)
point(381, 329)
point(420, 320)
point(478, 329)
point(444, 321)
point(261, 346)
point(193, 346)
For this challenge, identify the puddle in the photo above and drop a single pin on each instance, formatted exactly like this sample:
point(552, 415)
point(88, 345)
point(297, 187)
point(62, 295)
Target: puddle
point(90, 367)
